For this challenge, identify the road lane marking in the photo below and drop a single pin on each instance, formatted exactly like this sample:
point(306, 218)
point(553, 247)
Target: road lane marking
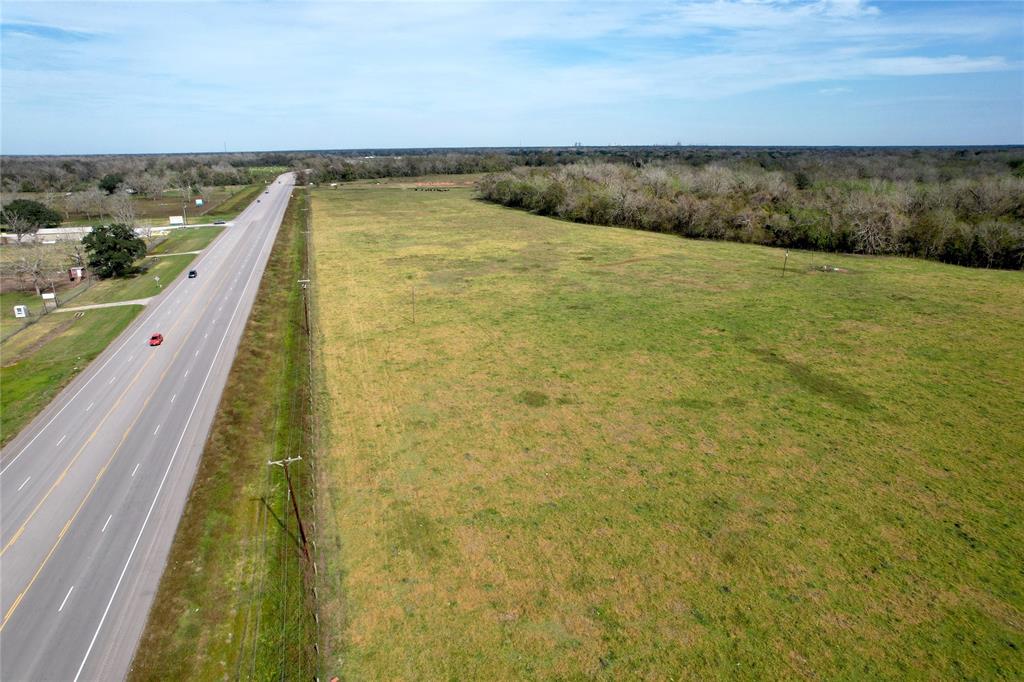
point(196, 353)
point(99, 476)
point(74, 459)
point(157, 430)
point(186, 374)
point(61, 439)
point(167, 471)
point(130, 358)
point(112, 380)
point(104, 528)
point(173, 397)
point(23, 484)
point(130, 335)
point(135, 469)
point(65, 599)
point(90, 406)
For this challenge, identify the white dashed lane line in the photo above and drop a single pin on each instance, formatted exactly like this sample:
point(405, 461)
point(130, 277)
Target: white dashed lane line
point(90, 407)
point(104, 528)
point(135, 469)
point(65, 599)
point(23, 483)
point(61, 439)
point(157, 430)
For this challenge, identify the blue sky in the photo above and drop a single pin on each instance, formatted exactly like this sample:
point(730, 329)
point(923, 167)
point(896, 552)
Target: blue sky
point(114, 77)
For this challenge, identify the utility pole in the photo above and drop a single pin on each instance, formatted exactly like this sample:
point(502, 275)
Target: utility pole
point(283, 463)
point(305, 302)
point(184, 202)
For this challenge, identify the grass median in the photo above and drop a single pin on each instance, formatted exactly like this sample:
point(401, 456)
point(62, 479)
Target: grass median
point(232, 601)
point(561, 451)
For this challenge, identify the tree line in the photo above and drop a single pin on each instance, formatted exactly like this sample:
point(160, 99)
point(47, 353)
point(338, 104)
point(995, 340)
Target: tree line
point(147, 174)
point(974, 217)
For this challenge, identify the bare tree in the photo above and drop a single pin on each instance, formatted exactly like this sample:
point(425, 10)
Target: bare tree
point(19, 225)
point(121, 209)
point(34, 263)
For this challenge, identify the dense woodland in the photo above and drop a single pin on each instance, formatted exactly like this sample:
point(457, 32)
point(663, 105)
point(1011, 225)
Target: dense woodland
point(958, 205)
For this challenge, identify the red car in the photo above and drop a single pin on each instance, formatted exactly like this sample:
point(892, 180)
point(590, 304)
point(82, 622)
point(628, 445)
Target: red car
point(156, 339)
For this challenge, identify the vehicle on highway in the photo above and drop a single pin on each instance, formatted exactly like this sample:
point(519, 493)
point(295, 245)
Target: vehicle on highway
point(192, 274)
point(266, 192)
point(156, 339)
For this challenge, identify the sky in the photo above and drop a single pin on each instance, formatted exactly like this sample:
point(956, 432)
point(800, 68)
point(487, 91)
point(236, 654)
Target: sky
point(151, 77)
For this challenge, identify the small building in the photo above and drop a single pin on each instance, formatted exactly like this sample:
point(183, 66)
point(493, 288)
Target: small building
point(76, 273)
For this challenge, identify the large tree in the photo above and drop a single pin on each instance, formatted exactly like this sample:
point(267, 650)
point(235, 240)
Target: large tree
point(25, 216)
point(113, 250)
point(110, 182)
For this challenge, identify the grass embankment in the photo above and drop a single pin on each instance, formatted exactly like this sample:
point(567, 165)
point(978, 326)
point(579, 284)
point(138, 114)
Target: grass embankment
point(186, 239)
point(562, 451)
point(231, 207)
point(42, 359)
point(232, 600)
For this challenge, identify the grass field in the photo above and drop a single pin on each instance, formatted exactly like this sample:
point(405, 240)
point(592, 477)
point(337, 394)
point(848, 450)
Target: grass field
point(231, 207)
point(232, 602)
point(565, 451)
point(43, 358)
point(140, 286)
point(185, 240)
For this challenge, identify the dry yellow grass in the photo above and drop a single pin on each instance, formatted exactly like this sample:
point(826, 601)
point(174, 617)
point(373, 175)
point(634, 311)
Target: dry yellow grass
point(564, 451)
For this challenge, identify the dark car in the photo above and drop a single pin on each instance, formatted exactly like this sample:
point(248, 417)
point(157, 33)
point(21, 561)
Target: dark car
point(220, 222)
point(192, 274)
point(156, 339)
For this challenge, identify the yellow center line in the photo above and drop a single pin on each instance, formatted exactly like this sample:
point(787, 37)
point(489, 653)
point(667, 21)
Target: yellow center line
point(74, 459)
point(102, 471)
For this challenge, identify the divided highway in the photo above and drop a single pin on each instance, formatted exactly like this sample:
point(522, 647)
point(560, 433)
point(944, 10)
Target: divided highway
point(92, 490)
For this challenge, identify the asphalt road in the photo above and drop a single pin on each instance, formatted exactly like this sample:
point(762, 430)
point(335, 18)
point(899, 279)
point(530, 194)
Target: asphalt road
point(92, 490)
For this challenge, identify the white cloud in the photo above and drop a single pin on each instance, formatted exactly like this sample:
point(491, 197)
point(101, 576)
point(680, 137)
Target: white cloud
point(240, 65)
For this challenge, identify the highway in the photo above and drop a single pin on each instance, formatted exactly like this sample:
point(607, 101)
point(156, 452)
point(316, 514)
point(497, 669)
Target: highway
point(92, 490)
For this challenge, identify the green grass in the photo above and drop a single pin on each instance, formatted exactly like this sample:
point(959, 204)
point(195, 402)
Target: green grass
point(188, 239)
point(266, 173)
point(230, 208)
point(232, 601)
point(595, 452)
point(138, 286)
point(42, 359)
point(9, 324)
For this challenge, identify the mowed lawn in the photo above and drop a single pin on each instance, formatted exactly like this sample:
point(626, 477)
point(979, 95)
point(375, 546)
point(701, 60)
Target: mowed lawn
point(40, 360)
point(564, 451)
point(183, 240)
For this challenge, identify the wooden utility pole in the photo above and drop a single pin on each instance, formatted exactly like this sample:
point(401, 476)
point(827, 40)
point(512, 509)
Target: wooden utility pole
point(283, 463)
point(305, 302)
